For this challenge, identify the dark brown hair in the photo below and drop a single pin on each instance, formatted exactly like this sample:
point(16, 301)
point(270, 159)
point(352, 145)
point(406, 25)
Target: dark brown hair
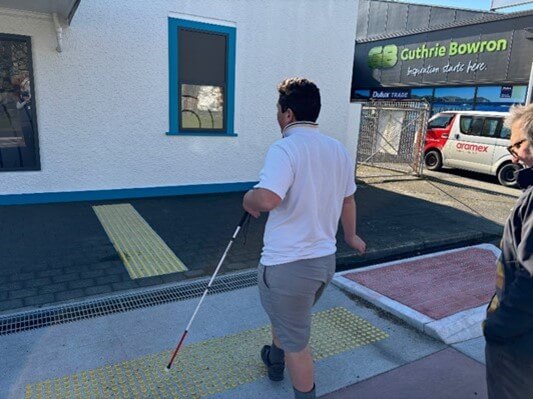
point(301, 96)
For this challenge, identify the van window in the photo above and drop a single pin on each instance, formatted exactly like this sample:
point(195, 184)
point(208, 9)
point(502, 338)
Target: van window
point(491, 127)
point(476, 126)
point(480, 126)
point(465, 123)
point(440, 121)
point(505, 133)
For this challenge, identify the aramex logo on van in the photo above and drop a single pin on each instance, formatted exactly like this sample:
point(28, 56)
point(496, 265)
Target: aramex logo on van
point(473, 147)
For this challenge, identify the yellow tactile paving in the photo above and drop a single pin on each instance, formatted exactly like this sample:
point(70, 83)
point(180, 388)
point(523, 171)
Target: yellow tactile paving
point(204, 368)
point(142, 251)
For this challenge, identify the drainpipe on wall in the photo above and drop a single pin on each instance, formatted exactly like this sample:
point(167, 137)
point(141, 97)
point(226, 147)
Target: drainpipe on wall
point(59, 33)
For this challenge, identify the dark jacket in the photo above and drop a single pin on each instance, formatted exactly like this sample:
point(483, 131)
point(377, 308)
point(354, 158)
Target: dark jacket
point(510, 313)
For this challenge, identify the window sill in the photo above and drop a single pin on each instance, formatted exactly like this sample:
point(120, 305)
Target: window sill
point(32, 169)
point(201, 134)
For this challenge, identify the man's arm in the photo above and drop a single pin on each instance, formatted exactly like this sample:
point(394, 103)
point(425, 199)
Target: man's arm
point(260, 200)
point(348, 221)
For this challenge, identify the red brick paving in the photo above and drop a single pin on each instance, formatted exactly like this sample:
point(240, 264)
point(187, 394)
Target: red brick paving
point(437, 286)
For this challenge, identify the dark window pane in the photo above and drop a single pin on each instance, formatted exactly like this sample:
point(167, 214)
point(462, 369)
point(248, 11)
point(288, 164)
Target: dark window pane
point(202, 107)
point(201, 58)
point(465, 123)
point(440, 121)
point(490, 127)
point(476, 127)
point(18, 149)
point(505, 132)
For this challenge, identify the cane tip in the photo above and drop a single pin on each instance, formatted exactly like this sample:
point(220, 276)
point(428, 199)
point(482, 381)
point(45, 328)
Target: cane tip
point(167, 369)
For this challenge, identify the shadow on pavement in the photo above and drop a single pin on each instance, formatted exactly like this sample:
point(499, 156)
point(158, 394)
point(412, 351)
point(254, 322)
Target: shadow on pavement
point(59, 252)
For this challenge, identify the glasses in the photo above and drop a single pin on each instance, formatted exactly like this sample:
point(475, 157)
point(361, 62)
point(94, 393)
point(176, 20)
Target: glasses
point(515, 147)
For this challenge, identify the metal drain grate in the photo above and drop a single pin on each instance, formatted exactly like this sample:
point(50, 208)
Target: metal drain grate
point(121, 303)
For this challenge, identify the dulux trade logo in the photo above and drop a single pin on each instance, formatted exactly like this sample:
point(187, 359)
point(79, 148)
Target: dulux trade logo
point(383, 57)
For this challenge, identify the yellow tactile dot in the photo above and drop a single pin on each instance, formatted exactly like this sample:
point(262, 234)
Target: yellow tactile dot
point(141, 249)
point(205, 368)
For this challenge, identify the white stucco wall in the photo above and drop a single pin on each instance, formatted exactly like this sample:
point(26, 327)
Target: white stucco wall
point(102, 104)
point(354, 123)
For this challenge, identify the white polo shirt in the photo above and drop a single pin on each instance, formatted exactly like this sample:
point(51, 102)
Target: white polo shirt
point(312, 174)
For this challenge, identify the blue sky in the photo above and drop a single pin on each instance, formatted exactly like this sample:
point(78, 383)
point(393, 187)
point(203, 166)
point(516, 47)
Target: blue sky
point(475, 5)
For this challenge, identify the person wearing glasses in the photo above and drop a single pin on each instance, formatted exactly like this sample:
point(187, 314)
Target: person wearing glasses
point(508, 327)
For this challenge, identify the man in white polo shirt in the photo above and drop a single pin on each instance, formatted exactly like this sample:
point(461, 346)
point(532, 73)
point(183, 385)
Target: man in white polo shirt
point(307, 184)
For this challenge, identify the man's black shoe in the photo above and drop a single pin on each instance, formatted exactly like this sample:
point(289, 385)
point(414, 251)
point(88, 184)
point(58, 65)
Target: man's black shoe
point(275, 370)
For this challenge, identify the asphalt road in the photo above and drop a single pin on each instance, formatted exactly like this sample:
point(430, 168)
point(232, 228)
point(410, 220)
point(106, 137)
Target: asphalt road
point(474, 193)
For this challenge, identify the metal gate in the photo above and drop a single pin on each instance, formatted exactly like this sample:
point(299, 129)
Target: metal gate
point(392, 135)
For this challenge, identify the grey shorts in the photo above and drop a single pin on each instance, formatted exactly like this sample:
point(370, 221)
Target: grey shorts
point(288, 292)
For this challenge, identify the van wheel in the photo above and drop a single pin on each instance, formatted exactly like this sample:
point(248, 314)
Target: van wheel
point(433, 160)
point(506, 174)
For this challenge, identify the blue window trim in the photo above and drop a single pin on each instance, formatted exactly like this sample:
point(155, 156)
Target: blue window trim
point(173, 25)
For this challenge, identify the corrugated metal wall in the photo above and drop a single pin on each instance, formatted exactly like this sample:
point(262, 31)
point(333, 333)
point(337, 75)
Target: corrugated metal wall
point(378, 17)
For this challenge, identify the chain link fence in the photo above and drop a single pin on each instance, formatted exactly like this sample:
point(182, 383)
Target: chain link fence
point(392, 136)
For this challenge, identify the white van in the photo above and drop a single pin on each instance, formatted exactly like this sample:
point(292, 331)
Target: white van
point(471, 140)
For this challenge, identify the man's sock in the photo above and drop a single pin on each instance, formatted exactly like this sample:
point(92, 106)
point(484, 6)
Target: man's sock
point(276, 354)
point(305, 395)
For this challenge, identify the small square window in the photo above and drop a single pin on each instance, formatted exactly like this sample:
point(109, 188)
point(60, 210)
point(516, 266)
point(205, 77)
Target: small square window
point(202, 78)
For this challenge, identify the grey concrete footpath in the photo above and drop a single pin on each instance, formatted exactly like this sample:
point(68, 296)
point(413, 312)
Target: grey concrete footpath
point(49, 355)
point(444, 375)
